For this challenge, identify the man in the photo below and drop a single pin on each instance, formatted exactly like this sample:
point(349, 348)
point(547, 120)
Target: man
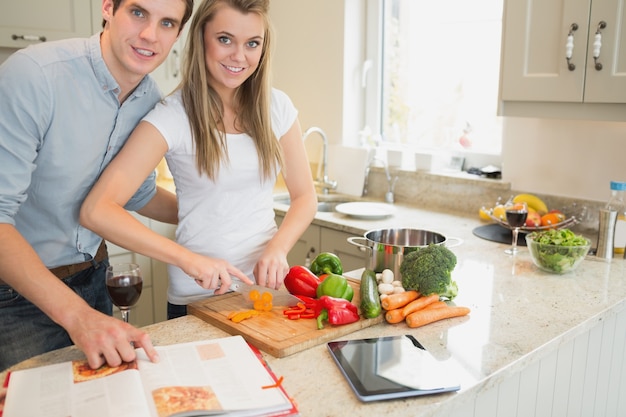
point(67, 108)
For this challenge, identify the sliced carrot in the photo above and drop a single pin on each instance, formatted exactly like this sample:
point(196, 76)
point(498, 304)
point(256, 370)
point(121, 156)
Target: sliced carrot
point(419, 303)
point(240, 316)
point(430, 315)
point(393, 301)
point(394, 316)
point(254, 295)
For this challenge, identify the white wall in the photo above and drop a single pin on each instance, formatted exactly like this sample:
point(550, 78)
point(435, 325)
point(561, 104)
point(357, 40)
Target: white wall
point(569, 158)
point(316, 60)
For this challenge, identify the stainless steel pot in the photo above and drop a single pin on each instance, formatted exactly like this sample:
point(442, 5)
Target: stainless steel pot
point(388, 246)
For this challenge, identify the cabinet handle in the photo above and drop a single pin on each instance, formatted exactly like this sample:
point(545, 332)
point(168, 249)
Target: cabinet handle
point(597, 45)
point(569, 46)
point(29, 38)
point(310, 254)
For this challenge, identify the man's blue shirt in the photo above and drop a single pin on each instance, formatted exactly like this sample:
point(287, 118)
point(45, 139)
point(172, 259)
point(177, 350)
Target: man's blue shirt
point(61, 123)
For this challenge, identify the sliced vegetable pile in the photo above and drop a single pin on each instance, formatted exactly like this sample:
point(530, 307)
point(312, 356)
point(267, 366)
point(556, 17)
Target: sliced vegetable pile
point(260, 302)
point(326, 295)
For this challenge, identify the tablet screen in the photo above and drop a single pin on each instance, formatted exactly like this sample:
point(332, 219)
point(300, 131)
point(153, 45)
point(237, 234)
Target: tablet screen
point(391, 367)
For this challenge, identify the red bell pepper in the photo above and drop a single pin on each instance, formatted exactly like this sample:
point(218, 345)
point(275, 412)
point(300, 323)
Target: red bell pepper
point(337, 311)
point(309, 308)
point(301, 281)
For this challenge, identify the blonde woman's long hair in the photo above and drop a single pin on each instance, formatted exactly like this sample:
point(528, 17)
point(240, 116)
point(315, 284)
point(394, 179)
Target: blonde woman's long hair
point(252, 99)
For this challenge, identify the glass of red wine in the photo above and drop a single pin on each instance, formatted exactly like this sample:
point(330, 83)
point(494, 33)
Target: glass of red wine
point(516, 217)
point(124, 284)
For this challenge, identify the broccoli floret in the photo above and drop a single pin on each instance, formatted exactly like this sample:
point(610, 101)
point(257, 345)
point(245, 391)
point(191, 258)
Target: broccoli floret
point(428, 270)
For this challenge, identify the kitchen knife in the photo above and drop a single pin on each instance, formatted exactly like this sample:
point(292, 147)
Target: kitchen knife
point(279, 297)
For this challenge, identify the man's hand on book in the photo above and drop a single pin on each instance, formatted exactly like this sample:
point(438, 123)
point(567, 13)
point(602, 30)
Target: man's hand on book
point(106, 339)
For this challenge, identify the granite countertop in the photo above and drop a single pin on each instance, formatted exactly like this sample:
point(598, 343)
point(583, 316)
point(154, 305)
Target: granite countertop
point(519, 315)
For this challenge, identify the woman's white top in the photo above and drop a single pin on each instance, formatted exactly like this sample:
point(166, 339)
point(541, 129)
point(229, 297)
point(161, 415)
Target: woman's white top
point(231, 218)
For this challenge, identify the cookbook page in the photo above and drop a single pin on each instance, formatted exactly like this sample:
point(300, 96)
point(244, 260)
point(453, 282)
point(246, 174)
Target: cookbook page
point(73, 389)
point(218, 375)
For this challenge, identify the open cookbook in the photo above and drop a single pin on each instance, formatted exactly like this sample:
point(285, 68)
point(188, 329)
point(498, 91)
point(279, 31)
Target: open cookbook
point(223, 376)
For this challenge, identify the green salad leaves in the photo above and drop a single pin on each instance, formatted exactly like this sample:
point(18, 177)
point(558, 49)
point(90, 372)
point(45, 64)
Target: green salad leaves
point(562, 237)
point(557, 251)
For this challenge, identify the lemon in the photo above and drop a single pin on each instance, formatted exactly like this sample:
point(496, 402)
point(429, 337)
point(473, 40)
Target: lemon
point(483, 213)
point(499, 212)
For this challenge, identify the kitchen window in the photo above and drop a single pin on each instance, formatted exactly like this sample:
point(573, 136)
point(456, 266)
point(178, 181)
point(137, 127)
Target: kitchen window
point(436, 66)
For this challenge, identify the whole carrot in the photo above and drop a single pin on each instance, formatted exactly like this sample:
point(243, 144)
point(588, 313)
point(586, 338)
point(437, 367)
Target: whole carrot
point(430, 315)
point(437, 304)
point(419, 304)
point(394, 316)
point(398, 300)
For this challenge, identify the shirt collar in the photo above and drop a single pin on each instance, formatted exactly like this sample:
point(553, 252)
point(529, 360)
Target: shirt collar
point(102, 73)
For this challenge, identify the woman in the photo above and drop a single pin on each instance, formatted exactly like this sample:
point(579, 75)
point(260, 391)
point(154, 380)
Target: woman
point(225, 134)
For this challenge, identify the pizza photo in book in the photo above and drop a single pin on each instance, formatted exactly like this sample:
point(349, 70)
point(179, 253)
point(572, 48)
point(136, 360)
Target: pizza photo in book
point(224, 376)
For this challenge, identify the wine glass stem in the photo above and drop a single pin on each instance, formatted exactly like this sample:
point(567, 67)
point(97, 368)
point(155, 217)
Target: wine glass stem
point(514, 246)
point(124, 314)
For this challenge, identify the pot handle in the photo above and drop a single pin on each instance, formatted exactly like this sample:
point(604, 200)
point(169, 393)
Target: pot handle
point(447, 243)
point(354, 240)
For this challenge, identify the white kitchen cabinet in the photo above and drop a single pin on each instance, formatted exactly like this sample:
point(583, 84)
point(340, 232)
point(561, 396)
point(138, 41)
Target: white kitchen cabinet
point(318, 239)
point(160, 277)
point(534, 64)
point(335, 241)
point(25, 22)
point(306, 248)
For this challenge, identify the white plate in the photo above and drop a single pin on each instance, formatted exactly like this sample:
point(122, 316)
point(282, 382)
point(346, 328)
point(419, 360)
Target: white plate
point(365, 210)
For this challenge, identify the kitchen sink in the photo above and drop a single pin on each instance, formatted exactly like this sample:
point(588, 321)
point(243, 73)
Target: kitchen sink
point(326, 203)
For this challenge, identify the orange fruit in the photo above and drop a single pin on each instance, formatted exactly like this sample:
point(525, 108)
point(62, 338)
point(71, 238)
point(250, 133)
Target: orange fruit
point(550, 219)
point(517, 206)
point(559, 214)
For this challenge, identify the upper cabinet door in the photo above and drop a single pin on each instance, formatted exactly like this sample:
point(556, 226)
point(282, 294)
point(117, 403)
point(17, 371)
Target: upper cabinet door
point(25, 22)
point(540, 36)
point(605, 80)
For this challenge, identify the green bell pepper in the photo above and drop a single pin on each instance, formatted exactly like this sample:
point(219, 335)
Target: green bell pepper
point(335, 286)
point(326, 263)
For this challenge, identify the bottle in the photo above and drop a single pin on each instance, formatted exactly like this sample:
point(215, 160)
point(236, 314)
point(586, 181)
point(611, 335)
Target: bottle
point(617, 203)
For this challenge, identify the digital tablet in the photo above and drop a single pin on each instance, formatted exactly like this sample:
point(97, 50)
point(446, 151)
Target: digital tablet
point(391, 367)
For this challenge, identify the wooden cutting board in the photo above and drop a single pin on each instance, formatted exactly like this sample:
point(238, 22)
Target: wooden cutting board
point(272, 331)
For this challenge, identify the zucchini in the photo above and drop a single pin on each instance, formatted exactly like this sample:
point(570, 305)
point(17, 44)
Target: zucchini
point(370, 299)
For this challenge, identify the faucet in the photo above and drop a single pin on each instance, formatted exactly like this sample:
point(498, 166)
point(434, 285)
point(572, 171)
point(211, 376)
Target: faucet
point(325, 183)
point(391, 182)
